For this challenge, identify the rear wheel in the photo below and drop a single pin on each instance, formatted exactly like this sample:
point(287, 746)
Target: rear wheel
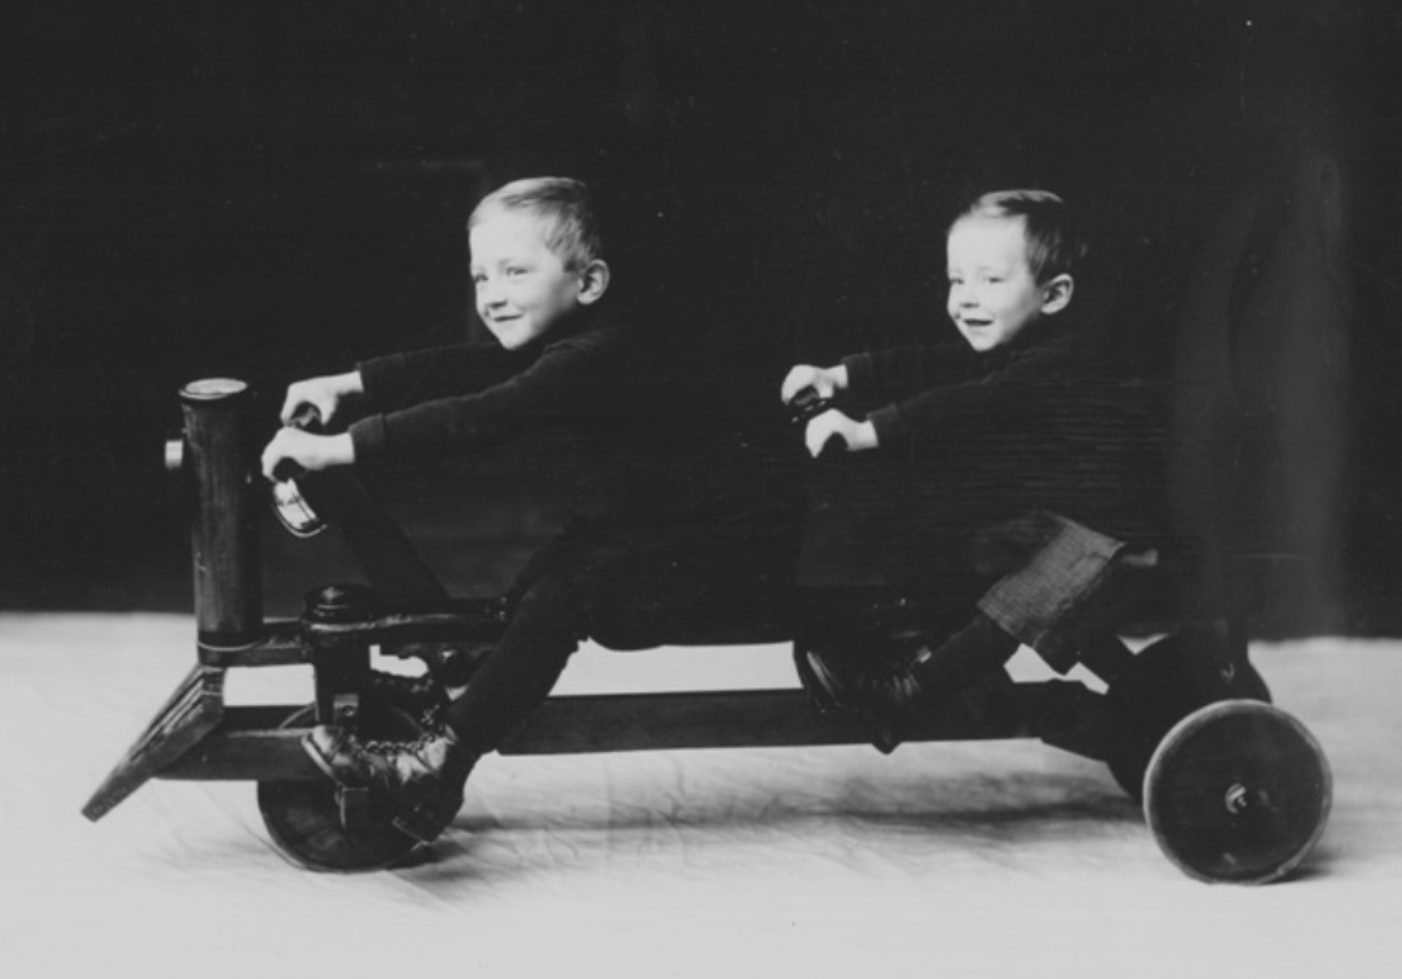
point(1239, 791)
point(1166, 682)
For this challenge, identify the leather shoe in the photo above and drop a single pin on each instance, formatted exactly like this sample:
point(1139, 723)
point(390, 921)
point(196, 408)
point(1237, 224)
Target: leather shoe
point(889, 699)
point(423, 779)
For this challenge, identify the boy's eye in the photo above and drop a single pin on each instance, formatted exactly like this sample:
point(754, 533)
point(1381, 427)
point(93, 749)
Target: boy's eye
point(515, 271)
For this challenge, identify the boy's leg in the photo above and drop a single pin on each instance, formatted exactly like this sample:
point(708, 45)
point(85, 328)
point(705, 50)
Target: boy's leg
point(394, 569)
point(549, 620)
point(391, 564)
point(558, 600)
point(850, 629)
point(426, 777)
point(928, 597)
point(1054, 574)
point(895, 697)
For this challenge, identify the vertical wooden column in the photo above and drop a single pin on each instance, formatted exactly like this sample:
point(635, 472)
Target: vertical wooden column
point(224, 531)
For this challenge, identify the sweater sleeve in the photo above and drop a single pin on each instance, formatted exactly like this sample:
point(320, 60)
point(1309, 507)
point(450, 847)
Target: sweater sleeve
point(402, 379)
point(961, 403)
point(882, 376)
point(565, 378)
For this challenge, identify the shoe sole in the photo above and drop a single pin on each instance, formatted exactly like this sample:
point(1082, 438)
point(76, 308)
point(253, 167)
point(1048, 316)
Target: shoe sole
point(819, 696)
point(817, 680)
point(422, 823)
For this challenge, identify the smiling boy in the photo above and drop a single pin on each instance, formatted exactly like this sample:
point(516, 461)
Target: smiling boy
point(537, 268)
point(995, 292)
point(524, 281)
point(1011, 258)
point(998, 436)
point(664, 501)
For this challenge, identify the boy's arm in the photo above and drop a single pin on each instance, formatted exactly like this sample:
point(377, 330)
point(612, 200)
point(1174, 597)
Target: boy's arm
point(398, 380)
point(386, 381)
point(1024, 387)
point(567, 378)
point(897, 373)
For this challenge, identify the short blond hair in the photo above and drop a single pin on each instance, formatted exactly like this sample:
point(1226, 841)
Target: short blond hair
point(565, 207)
point(1055, 245)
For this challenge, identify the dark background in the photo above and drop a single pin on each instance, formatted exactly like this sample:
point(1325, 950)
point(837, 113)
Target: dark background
point(269, 190)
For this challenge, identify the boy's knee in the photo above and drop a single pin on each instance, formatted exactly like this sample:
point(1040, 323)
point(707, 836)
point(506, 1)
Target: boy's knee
point(555, 602)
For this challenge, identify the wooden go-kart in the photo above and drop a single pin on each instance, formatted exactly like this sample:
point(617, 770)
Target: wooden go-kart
point(1233, 788)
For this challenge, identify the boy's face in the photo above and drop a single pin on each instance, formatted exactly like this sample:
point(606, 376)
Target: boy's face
point(993, 295)
point(522, 288)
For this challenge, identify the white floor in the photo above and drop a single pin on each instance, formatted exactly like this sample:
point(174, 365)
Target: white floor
point(943, 860)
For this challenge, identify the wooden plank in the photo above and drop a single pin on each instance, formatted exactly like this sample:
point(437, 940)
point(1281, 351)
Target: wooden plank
point(187, 716)
point(249, 744)
point(711, 719)
point(253, 755)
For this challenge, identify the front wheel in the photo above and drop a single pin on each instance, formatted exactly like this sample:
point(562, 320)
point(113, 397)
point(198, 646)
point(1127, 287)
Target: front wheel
point(309, 822)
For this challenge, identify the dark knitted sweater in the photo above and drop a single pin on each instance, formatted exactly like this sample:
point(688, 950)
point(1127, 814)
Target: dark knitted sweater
point(1046, 422)
point(642, 430)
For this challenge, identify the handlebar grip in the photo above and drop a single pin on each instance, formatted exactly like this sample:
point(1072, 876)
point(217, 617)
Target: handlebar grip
point(806, 405)
point(306, 417)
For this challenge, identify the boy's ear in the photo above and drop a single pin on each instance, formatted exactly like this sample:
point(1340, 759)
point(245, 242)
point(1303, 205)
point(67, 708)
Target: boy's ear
point(593, 281)
point(1056, 294)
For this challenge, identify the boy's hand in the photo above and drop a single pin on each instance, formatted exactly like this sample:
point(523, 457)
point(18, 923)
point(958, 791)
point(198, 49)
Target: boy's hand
point(325, 394)
point(826, 381)
point(299, 451)
point(856, 436)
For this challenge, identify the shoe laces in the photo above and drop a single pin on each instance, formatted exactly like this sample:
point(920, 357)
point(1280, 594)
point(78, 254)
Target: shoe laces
point(392, 746)
point(902, 687)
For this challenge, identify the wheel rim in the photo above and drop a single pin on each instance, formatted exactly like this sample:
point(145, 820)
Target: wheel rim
point(1238, 791)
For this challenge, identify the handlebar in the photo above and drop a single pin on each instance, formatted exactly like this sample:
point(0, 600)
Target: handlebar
point(290, 506)
point(306, 417)
point(808, 404)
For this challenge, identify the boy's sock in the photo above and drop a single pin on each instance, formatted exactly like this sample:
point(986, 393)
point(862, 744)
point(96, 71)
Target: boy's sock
point(518, 675)
point(966, 656)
